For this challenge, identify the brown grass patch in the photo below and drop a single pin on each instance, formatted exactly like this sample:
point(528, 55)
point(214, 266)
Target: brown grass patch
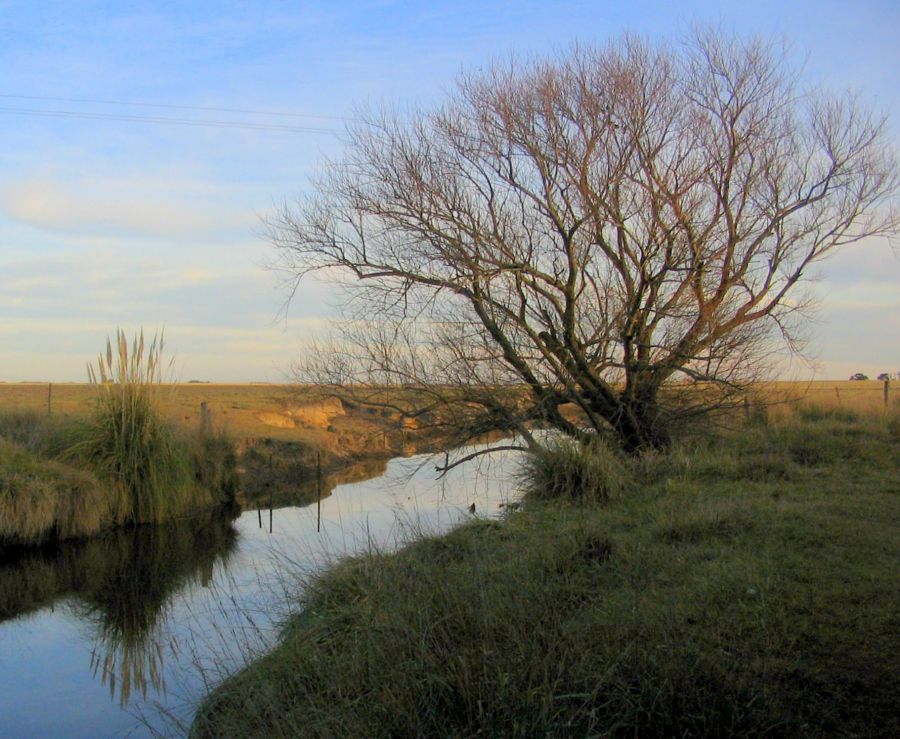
point(42, 499)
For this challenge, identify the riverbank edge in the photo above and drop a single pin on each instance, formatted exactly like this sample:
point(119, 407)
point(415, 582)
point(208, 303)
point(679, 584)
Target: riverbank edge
point(56, 501)
point(737, 586)
point(47, 498)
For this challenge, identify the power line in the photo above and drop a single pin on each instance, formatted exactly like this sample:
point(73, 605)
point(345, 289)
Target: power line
point(247, 125)
point(174, 107)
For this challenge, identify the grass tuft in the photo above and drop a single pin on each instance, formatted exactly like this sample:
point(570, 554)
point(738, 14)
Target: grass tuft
point(123, 464)
point(41, 499)
point(566, 470)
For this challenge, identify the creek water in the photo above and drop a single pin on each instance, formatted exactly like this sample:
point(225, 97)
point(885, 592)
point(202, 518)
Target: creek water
point(122, 634)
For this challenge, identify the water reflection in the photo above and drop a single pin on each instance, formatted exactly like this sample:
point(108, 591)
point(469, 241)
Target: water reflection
point(120, 585)
point(157, 616)
point(271, 486)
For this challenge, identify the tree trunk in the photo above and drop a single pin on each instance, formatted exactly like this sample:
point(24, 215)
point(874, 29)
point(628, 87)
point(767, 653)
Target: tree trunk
point(640, 424)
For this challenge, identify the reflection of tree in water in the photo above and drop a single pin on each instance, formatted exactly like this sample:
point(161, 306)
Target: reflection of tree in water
point(122, 583)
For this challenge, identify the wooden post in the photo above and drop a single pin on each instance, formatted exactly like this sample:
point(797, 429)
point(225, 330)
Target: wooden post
point(49, 397)
point(318, 492)
point(205, 417)
point(887, 391)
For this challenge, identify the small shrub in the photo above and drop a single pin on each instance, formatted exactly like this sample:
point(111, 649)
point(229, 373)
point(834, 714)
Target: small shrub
point(566, 470)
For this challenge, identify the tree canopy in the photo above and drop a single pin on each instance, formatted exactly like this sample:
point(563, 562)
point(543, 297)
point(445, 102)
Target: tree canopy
point(601, 243)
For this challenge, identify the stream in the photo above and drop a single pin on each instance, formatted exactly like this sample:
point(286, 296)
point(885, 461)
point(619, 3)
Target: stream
point(123, 634)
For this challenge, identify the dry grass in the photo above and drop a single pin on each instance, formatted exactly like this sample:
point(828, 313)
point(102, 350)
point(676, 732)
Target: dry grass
point(41, 499)
point(236, 406)
point(785, 399)
point(235, 410)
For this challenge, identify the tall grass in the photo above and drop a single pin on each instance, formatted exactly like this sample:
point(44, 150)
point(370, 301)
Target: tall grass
point(566, 470)
point(122, 464)
point(126, 438)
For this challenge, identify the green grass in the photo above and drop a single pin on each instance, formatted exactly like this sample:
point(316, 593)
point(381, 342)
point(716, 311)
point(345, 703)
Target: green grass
point(737, 586)
point(563, 470)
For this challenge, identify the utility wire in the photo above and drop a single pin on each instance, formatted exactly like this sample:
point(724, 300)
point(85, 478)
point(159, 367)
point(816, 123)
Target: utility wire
point(173, 107)
point(169, 121)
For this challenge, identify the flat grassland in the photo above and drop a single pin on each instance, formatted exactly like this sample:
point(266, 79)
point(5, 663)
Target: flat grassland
point(862, 396)
point(237, 408)
point(240, 412)
point(265, 416)
point(234, 407)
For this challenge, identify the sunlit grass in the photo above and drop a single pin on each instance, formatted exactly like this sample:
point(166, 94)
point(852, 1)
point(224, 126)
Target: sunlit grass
point(41, 498)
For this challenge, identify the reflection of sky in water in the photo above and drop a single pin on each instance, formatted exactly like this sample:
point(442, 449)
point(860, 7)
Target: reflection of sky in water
point(59, 665)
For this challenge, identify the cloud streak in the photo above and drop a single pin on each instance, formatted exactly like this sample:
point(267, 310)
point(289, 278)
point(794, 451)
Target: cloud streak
point(118, 208)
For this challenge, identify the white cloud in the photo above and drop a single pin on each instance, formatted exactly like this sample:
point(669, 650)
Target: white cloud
point(135, 207)
point(57, 349)
point(863, 296)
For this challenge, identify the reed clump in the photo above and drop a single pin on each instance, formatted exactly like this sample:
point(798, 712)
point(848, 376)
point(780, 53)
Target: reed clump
point(126, 439)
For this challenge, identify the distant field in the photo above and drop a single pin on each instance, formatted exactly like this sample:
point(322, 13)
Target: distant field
point(864, 396)
point(236, 408)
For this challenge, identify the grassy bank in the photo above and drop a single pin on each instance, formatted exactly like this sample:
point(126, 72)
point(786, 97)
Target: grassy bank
point(53, 489)
point(741, 585)
point(41, 498)
point(122, 463)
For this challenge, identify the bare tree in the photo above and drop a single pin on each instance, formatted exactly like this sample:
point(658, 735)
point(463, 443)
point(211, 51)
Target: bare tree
point(623, 232)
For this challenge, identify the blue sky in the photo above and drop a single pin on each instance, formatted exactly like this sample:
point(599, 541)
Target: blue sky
point(108, 223)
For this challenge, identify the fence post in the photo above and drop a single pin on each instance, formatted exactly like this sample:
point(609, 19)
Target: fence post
point(205, 417)
point(887, 390)
point(318, 492)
